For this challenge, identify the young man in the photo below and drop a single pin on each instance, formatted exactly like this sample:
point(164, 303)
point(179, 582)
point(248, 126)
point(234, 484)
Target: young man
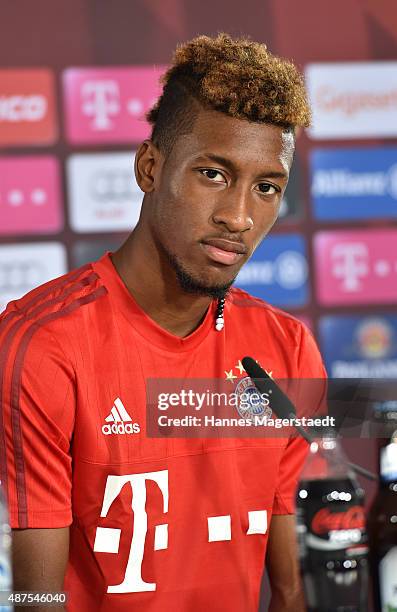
point(161, 524)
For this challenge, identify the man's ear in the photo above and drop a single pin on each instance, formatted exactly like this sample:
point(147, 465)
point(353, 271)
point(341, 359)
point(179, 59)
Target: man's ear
point(148, 163)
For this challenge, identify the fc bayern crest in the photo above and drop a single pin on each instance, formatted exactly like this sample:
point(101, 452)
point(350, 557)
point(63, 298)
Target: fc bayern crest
point(250, 402)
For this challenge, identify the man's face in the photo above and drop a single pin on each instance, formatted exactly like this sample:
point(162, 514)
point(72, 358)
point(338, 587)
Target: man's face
point(216, 196)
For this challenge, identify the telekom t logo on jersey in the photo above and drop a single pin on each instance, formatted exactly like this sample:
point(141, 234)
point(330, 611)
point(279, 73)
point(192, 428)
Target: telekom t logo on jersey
point(109, 104)
point(107, 539)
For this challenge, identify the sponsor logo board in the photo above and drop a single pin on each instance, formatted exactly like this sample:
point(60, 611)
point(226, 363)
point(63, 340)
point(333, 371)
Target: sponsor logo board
point(103, 193)
point(27, 107)
point(356, 267)
point(278, 271)
point(359, 346)
point(292, 204)
point(25, 266)
point(109, 104)
point(85, 251)
point(354, 183)
point(30, 195)
point(353, 99)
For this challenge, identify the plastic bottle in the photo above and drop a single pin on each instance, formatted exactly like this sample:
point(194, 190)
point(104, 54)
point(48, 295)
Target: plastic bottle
point(331, 531)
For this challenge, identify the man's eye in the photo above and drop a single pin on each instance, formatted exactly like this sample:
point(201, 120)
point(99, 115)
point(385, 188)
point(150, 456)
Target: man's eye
point(267, 188)
point(213, 174)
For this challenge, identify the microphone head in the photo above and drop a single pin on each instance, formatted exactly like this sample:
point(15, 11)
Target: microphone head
point(253, 369)
point(280, 402)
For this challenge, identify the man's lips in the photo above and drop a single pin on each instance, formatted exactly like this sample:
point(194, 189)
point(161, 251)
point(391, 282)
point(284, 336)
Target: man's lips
point(224, 251)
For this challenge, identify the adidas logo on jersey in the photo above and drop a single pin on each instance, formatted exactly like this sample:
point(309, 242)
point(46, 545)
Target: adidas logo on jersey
point(119, 421)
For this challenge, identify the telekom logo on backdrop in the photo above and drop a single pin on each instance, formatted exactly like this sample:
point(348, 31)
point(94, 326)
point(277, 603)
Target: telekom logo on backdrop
point(109, 104)
point(356, 267)
point(30, 200)
point(27, 107)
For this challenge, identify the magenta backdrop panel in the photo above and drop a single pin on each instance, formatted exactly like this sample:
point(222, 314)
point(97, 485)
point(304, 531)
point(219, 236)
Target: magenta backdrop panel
point(108, 105)
point(356, 267)
point(30, 198)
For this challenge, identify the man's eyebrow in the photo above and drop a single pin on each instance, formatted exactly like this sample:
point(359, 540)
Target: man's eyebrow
point(223, 161)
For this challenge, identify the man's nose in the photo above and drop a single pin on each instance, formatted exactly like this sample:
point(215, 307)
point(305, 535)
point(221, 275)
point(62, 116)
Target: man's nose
point(234, 211)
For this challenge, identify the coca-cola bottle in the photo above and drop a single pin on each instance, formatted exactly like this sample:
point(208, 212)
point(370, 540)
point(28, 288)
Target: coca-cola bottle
point(382, 531)
point(331, 531)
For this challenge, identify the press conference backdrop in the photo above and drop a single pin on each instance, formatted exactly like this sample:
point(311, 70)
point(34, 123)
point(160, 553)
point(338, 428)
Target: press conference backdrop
point(77, 77)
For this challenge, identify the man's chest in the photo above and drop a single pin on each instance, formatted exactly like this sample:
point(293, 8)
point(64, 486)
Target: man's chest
point(127, 392)
point(134, 482)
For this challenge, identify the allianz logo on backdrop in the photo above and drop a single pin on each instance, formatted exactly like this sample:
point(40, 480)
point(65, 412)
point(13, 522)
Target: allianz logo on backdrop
point(289, 270)
point(343, 182)
point(346, 182)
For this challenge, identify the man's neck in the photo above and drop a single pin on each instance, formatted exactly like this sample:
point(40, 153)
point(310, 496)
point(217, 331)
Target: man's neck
point(143, 274)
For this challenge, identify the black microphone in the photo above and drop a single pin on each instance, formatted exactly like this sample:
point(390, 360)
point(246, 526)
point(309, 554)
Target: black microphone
point(281, 404)
point(283, 407)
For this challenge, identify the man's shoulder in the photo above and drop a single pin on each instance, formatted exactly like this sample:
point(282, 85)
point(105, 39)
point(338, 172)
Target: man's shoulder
point(284, 333)
point(55, 300)
point(249, 307)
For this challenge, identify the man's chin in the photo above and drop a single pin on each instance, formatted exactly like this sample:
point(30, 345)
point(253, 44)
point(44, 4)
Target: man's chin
point(202, 286)
point(198, 287)
point(199, 283)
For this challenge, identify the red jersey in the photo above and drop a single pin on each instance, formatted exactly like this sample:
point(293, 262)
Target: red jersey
point(156, 524)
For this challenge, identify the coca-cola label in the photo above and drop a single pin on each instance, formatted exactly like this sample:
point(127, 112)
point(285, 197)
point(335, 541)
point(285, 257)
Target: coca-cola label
point(330, 516)
point(325, 521)
point(344, 528)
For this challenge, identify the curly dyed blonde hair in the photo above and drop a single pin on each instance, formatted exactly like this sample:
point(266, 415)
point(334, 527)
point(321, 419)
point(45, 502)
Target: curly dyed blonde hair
point(238, 77)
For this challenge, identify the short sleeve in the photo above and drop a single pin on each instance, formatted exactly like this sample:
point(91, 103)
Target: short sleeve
point(309, 366)
point(290, 467)
point(37, 417)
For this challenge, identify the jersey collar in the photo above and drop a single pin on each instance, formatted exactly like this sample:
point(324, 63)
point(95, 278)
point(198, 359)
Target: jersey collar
point(141, 322)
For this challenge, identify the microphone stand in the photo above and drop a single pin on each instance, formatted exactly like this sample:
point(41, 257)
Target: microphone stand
point(284, 408)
